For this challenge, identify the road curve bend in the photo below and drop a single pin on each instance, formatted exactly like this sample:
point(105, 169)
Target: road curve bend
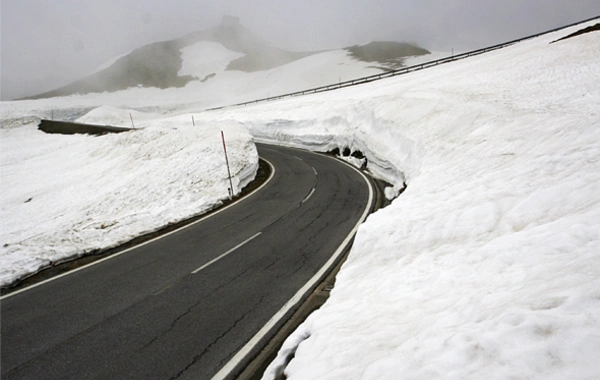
point(196, 301)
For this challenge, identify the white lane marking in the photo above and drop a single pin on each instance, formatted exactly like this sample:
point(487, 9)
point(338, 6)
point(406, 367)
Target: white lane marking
point(296, 157)
point(146, 242)
point(309, 195)
point(225, 254)
point(315, 170)
point(244, 351)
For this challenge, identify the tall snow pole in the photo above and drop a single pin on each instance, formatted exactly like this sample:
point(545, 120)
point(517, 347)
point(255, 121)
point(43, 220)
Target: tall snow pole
point(193, 122)
point(227, 162)
point(131, 117)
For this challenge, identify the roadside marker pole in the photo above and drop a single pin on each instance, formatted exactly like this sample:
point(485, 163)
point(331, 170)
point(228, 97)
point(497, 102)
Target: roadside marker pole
point(131, 117)
point(227, 162)
point(193, 122)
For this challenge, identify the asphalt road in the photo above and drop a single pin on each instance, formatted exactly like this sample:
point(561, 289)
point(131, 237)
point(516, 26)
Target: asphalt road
point(180, 307)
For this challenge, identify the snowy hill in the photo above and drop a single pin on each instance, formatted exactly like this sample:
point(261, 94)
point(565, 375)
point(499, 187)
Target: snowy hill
point(169, 64)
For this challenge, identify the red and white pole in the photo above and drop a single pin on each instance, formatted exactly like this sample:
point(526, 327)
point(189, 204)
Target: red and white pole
point(227, 162)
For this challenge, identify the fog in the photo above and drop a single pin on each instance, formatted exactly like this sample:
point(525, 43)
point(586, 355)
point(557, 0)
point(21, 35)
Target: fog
point(47, 44)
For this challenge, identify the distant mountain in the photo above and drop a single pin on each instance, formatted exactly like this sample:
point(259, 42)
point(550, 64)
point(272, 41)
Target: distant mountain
point(159, 64)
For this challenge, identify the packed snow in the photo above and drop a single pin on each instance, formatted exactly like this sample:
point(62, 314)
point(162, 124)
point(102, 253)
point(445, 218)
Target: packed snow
point(488, 264)
point(67, 195)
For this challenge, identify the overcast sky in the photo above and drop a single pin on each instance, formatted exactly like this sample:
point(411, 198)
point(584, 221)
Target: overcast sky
point(49, 43)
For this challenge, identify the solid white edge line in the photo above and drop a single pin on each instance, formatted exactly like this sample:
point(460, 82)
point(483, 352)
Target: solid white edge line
point(146, 242)
point(225, 254)
point(244, 351)
point(309, 195)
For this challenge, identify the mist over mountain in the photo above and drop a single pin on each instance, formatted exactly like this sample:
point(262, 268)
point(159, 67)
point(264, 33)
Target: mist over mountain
point(159, 64)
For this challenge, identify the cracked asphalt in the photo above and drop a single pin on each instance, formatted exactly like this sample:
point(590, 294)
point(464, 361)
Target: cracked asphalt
point(144, 315)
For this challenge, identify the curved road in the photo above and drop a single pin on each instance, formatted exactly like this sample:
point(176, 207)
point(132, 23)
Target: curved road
point(181, 307)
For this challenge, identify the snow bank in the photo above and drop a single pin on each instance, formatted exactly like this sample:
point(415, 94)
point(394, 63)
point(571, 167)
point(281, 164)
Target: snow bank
point(391, 156)
point(488, 265)
point(63, 196)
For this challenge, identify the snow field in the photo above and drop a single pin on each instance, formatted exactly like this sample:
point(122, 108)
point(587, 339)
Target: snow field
point(488, 265)
point(65, 195)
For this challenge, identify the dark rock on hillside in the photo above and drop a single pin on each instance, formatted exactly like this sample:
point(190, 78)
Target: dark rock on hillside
point(589, 29)
point(389, 55)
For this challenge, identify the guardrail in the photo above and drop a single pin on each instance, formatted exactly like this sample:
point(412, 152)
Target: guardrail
point(404, 70)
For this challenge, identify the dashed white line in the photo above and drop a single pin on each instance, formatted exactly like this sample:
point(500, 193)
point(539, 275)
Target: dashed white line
point(314, 170)
point(225, 254)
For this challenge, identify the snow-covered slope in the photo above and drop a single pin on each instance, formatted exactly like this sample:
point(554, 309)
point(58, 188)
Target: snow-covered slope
point(63, 196)
point(488, 265)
